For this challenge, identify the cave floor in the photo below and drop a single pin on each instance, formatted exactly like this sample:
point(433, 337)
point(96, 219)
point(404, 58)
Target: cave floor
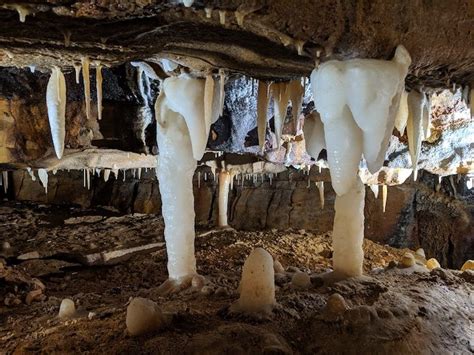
point(91, 256)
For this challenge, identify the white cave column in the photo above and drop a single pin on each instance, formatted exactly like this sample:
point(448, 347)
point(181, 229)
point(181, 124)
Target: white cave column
point(224, 183)
point(348, 231)
point(175, 172)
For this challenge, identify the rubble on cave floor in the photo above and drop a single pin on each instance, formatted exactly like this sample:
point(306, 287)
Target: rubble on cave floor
point(42, 262)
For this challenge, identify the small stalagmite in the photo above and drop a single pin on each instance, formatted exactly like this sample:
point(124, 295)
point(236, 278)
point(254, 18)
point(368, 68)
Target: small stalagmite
point(56, 103)
point(257, 287)
point(143, 316)
point(432, 264)
point(67, 309)
point(468, 265)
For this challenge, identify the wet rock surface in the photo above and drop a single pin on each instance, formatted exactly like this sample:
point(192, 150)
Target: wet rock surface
point(387, 310)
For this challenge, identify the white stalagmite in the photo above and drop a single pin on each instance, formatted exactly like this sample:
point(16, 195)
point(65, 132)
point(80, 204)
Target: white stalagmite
point(43, 176)
point(375, 190)
point(320, 186)
point(314, 134)
point(257, 286)
point(384, 197)
point(56, 103)
point(181, 138)
point(281, 96)
point(348, 231)
point(224, 183)
point(416, 105)
point(262, 107)
point(98, 83)
point(402, 114)
point(365, 91)
point(85, 62)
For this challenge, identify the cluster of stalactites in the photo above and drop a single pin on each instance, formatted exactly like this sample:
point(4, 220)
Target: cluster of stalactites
point(282, 93)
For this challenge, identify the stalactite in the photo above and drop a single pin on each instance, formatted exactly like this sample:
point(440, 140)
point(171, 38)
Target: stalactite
point(221, 91)
point(85, 62)
point(281, 96)
point(223, 197)
point(98, 81)
point(384, 197)
point(56, 103)
point(416, 104)
point(106, 175)
point(402, 114)
point(313, 130)
point(43, 176)
point(208, 102)
point(296, 92)
point(77, 71)
point(88, 176)
point(375, 190)
point(222, 17)
point(5, 181)
point(320, 186)
point(262, 108)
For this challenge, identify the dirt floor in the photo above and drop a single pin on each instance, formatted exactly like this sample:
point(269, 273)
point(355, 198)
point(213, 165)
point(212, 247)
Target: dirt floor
point(101, 259)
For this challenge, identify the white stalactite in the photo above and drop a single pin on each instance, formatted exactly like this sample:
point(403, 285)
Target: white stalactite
point(426, 118)
point(5, 181)
point(402, 114)
point(85, 62)
point(296, 92)
point(221, 91)
point(224, 183)
point(320, 186)
point(77, 71)
point(98, 83)
point(281, 96)
point(208, 102)
point(106, 175)
point(313, 130)
point(43, 177)
point(181, 139)
point(262, 108)
point(348, 231)
point(384, 197)
point(416, 105)
point(56, 103)
point(375, 190)
point(222, 17)
point(364, 91)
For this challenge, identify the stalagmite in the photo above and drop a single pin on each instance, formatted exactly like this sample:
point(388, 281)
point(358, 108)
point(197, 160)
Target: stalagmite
point(43, 176)
point(87, 85)
point(67, 309)
point(257, 287)
point(407, 260)
point(364, 94)
point(224, 182)
point(143, 316)
point(375, 190)
point(281, 96)
point(262, 107)
point(313, 130)
point(468, 265)
point(98, 83)
point(56, 103)
point(320, 186)
point(416, 104)
point(181, 138)
point(384, 197)
point(402, 114)
point(432, 264)
point(348, 231)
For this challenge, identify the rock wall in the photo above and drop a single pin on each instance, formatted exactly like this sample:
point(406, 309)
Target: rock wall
point(416, 215)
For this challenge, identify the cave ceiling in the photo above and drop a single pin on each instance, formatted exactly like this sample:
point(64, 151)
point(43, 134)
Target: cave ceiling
point(276, 39)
